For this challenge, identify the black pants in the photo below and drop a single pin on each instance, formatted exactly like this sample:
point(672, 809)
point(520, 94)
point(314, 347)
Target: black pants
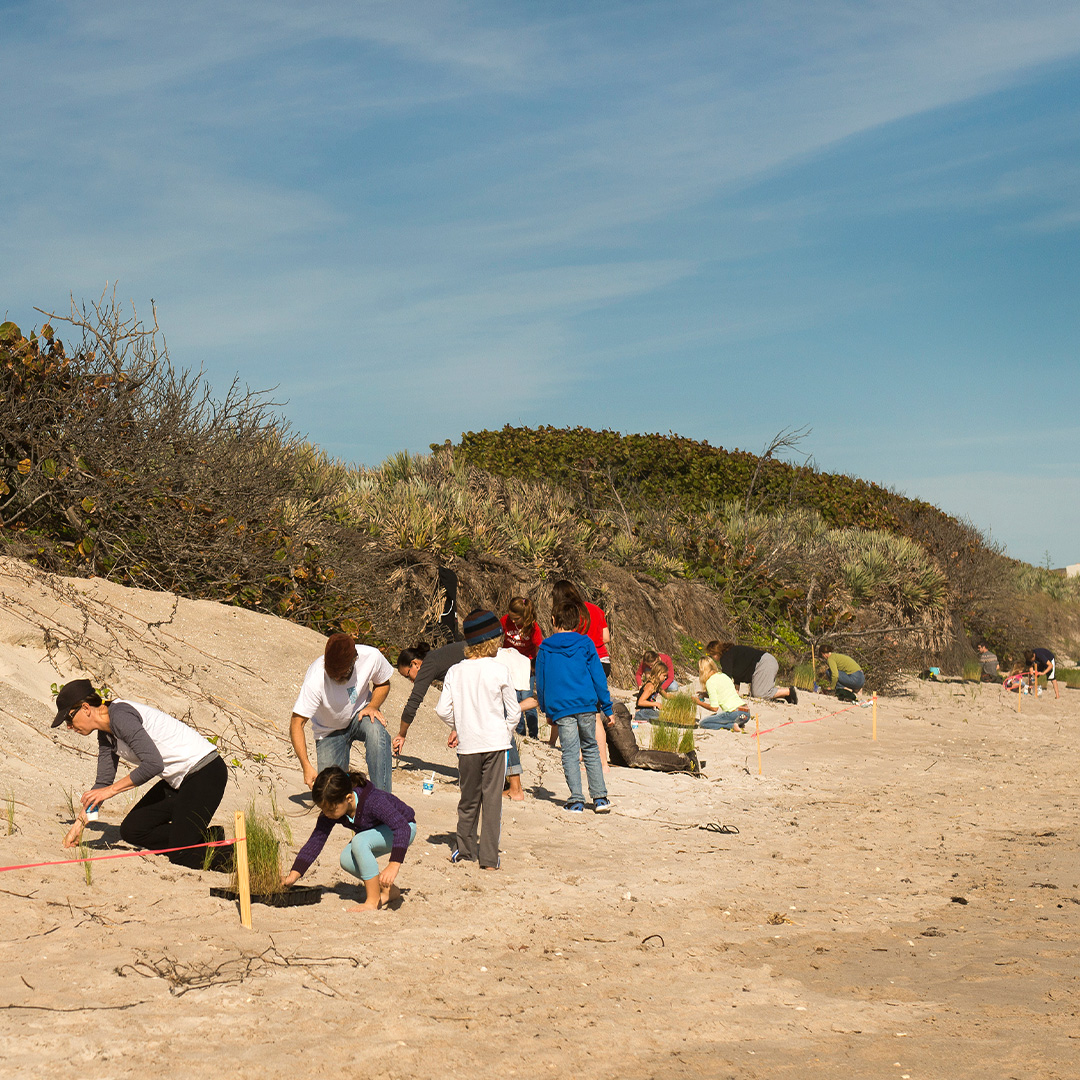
point(167, 817)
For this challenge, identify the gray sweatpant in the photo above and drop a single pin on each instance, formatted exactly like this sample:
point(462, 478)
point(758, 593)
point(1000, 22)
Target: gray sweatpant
point(480, 778)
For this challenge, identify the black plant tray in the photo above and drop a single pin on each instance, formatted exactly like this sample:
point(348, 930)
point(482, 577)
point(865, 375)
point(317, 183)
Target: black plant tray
point(294, 897)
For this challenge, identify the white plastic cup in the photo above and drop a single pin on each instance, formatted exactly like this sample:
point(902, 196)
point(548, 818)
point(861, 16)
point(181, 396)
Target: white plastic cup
point(92, 812)
point(429, 785)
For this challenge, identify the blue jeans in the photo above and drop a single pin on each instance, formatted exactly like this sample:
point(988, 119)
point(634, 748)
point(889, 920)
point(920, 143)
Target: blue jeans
point(333, 749)
point(513, 759)
point(577, 737)
point(727, 720)
point(647, 714)
point(855, 681)
point(359, 856)
point(529, 721)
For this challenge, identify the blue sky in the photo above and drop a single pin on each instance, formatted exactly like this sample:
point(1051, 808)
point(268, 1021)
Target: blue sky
point(719, 219)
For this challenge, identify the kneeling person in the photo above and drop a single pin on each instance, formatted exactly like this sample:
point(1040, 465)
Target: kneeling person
point(176, 811)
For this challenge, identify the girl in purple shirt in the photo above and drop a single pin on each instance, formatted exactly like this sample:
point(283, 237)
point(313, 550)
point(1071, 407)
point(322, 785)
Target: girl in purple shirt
point(381, 823)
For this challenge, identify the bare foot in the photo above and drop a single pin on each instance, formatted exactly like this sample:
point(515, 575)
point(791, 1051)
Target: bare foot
point(389, 895)
point(517, 796)
point(365, 907)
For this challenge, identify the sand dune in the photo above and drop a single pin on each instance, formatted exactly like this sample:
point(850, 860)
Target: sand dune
point(902, 908)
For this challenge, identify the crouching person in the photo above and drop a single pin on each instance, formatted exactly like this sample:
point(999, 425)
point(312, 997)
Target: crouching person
point(176, 811)
point(381, 823)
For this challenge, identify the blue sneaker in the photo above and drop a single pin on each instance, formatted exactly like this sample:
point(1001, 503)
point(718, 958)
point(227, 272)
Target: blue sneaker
point(601, 806)
point(575, 806)
point(456, 857)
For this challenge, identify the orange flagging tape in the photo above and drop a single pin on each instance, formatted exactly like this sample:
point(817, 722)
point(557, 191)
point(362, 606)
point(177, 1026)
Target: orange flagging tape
point(122, 855)
point(812, 720)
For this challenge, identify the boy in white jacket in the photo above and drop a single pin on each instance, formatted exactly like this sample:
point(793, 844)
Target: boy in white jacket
point(480, 703)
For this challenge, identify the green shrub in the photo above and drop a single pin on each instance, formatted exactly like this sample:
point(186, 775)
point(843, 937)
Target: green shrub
point(972, 671)
point(1069, 676)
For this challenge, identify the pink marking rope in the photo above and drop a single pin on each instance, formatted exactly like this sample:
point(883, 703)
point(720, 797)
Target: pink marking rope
point(123, 855)
point(812, 720)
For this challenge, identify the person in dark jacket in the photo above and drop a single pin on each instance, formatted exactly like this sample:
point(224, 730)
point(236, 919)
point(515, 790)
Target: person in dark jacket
point(755, 667)
point(1042, 662)
point(570, 684)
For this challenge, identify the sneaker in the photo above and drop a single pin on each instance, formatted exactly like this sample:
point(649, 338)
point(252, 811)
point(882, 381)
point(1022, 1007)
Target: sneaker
point(575, 806)
point(456, 857)
point(601, 806)
point(793, 695)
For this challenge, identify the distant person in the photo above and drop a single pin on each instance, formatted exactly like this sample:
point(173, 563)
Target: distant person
point(648, 658)
point(755, 667)
point(570, 683)
point(728, 710)
point(342, 694)
point(1041, 662)
point(988, 662)
point(176, 811)
point(479, 703)
point(844, 674)
point(651, 693)
point(380, 822)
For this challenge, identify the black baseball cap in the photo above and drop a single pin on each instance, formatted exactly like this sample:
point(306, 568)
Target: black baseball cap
point(71, 696)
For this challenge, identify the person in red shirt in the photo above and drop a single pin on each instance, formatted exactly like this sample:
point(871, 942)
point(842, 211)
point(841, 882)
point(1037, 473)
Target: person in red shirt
point(521, 628)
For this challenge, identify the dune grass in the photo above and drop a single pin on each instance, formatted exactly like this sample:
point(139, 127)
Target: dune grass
point(803, 676)
point(264, 854)
point(972, 671)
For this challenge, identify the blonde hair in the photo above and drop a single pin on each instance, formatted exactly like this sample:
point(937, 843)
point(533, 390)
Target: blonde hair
point(483, 648)
point(658, 674)
point(706, 668)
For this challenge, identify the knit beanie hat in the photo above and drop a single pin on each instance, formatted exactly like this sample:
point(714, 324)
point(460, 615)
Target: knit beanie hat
point(480, 626)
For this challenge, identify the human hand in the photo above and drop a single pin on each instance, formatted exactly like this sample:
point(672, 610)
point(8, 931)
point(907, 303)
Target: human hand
point(396, 743)
point(452, 741)
point(309, 775)
point(386, 878)
point(372, 714)
point(96, 797)
point(291, 878)
point(72, 836)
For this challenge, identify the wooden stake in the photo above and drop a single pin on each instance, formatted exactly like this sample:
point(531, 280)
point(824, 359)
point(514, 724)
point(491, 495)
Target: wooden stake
point(243, 882)
point(873, 711)
point(1019, 692)
point(757, 739)
point(813, 666)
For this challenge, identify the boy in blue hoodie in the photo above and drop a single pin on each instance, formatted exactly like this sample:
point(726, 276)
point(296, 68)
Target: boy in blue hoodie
point(570, 685)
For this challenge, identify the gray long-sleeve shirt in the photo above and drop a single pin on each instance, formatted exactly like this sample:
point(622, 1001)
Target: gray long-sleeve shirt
point(435, 666)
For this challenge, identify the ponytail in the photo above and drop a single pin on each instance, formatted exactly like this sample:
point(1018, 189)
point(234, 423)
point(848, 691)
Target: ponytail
point(334, 785)
point(417, 652)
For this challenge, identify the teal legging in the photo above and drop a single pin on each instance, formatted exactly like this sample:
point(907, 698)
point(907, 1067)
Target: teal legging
point(359, 857)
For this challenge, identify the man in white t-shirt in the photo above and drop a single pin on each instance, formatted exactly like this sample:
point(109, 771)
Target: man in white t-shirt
point(342, 693)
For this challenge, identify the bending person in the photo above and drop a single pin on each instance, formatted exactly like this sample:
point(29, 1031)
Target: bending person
point(845, 675)
point(755, 667)
point(342, 693)
point(380, 822)
point(1042, 662)
point(176, 811)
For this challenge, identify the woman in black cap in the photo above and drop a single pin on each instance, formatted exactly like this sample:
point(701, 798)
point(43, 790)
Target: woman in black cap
point(176, 811)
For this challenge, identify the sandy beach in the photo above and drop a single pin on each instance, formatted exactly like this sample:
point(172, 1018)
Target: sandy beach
point(904, 908)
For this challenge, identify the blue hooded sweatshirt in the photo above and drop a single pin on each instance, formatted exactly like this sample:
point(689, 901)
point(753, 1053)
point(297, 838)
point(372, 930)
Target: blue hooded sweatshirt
point(569, 678)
